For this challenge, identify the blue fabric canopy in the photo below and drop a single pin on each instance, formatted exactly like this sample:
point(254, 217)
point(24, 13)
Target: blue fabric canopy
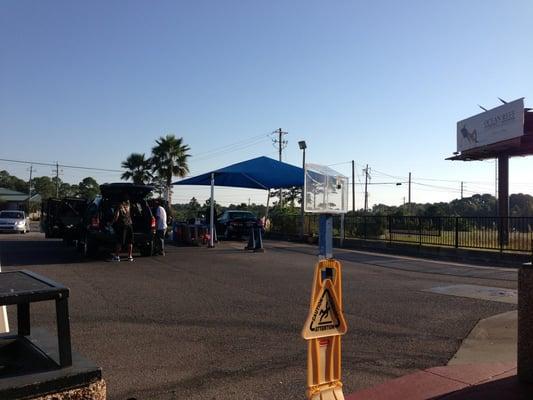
point(257, 173)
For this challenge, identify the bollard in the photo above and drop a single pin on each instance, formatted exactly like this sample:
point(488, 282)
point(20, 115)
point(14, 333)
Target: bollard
point(525, 324)
point(258, 240)
point(251, 240)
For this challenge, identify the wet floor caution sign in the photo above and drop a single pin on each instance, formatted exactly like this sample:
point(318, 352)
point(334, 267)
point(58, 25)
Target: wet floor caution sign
point(325, 318)
point(323, 329)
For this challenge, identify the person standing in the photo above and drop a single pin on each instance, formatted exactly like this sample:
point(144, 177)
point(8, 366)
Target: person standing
point(123, 226)
point(161, 226)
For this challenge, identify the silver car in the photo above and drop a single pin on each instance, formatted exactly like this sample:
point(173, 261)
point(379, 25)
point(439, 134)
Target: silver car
point(14, 221)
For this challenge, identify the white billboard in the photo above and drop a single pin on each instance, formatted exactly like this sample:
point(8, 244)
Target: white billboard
point(493, 126)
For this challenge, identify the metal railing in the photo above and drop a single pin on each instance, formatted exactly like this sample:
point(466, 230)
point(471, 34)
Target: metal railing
point(493, 233)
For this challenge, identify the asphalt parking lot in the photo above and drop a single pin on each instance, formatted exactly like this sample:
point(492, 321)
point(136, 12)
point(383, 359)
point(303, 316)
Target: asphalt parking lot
point(225, 324)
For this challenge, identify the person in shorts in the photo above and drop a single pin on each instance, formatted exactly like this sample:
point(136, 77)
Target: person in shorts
point(123, 230)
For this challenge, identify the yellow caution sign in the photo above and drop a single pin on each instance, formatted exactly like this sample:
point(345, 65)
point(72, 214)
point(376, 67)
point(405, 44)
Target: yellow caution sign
point(325, 318)
point(323, 329)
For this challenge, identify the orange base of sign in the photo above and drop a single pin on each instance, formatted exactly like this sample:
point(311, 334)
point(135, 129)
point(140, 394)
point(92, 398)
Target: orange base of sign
point(327, 393)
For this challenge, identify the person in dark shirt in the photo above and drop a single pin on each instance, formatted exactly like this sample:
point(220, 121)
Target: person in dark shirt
point(123, 227)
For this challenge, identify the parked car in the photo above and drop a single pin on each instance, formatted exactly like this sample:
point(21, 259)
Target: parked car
point(14, 221)
point(63, 218)
point(98, 229)
point(236, 223)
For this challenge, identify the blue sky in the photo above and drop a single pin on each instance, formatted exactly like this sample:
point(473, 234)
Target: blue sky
point(382, 83)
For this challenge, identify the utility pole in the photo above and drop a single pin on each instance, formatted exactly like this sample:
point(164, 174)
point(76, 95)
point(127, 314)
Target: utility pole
point(409, 195)
point(29, 189)
point(57, 179)
point(353, 186)
point(366, 188)
point(281, 143)
point(461, 190)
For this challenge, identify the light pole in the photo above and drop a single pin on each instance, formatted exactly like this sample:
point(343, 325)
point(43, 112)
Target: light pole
point(302, 146)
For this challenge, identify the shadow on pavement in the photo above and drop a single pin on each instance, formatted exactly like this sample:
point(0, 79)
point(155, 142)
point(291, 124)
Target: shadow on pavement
point(37, 252)
point(504, 388)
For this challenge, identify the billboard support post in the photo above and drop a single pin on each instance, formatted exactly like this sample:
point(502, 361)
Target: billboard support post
point(503, 199)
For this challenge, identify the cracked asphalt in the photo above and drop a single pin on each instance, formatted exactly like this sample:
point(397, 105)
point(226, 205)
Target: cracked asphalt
point(225, 324)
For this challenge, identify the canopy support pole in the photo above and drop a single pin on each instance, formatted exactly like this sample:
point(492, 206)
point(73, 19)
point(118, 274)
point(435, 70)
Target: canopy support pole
point(266, 212)
point(212, 213)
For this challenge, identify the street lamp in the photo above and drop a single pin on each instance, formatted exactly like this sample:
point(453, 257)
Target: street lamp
point(302, 146)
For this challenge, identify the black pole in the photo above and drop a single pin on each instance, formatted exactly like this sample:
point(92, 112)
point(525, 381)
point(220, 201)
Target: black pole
point(366, 188)
point(353, 187)
point(503, 198)
point(409, 198)
point(29, 190)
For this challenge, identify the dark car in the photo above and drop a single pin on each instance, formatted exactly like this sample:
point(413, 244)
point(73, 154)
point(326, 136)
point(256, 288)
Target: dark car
point(236, 223)
point(98, 220)
point(63, 218)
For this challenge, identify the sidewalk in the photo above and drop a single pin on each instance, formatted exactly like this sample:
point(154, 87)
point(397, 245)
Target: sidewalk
point(484, 367)
point(452, 382)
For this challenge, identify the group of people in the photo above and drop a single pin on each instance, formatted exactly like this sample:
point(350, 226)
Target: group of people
point(123, 226)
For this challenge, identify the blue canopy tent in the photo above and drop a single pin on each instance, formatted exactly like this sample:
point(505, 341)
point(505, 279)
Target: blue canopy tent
point(257, 173)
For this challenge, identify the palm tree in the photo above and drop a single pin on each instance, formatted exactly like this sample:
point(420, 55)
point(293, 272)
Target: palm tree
point(169, 159)
point(138, 168)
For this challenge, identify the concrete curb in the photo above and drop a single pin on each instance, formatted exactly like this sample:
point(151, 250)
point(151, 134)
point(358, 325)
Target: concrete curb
point(441, 253)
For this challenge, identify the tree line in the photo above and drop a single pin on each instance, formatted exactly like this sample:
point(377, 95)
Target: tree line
point(478, 205)
point(48, 187)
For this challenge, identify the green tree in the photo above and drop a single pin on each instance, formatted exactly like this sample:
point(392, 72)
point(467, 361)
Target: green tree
point(159, 186)
point(45, 186)
point(11, 182)
point(193, 207)
point(67, 190)
point(88, 188)
point(138, 169)
point(169, 159)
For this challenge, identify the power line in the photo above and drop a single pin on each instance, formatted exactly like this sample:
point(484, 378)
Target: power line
point(239, 142)
point(60, 165)
point(231, 148)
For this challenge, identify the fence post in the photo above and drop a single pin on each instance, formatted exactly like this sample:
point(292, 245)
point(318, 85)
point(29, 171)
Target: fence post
point(501, 239)
point(390, 228)
point(456, 232)
point(420, 231)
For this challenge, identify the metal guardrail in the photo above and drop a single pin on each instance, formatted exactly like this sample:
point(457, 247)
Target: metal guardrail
point(493, 233)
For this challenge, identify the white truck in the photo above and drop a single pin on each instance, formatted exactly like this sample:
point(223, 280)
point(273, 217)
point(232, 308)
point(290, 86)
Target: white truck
point(14, 221)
